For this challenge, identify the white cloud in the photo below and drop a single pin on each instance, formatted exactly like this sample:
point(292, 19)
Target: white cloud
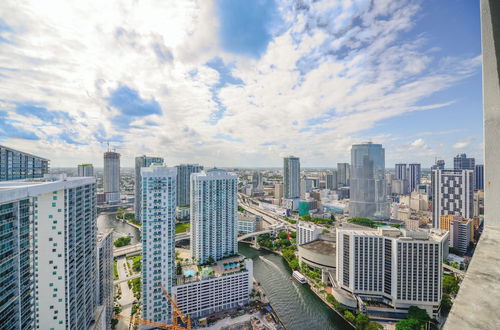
point(334, 78)
point(461, 144)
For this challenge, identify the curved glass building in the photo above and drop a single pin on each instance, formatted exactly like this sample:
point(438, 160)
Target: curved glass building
point(367, 182)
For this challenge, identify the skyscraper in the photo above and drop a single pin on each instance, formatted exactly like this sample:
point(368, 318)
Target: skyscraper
point(111, 178)
point(414, 174)
point(158, 188)
point(461, 162)
point(140, 162)
point(184, 172)
point(257, 180)
point(104, 276)
point(85, 170)
point(331, 180)
point(343, 174)
point(367, 182)
point(291, 177)
point(17, 165)
point(213, 214)
point(439, 165)
point(452, 193)
point(479, 177)
point(51, 280)
point(401, 173)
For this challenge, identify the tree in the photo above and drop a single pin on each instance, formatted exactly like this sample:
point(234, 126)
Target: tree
point(418, 314)
point(282, 235)
point(450, 285)
point(210, 260)
point(361, 321)
point(409, 324)
point(349, 316)
point(114, 322)
point(179, 268)
point(446, 302)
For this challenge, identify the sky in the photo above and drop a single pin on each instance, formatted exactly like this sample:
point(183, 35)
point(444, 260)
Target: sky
point(241, 83)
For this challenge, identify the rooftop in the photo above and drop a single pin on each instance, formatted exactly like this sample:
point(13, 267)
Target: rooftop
point(321, 247)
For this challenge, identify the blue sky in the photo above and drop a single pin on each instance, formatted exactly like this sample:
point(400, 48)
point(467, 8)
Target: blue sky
point(242, 83)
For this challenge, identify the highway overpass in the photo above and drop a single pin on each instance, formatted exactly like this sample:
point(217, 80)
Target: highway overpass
point(131, 250)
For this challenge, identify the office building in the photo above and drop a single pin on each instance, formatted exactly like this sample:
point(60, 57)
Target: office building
point(184, 172)
point(307, 232)
point(111, 177)
point(213, 214)
point(439, 165)
point(278, 190)
point(18, 165)
point(461, 162)
point(401, 172)
point(291, 177)
point(395, 267)
point(331, 180)
point(249, 223)
point(367, 182)
point(452, 193)
point(479, 177)
point(414, 174)
point(225, 285)
point(158, 189)
point(105, 293)
point(85, 170)
point(51, 279)
point(343, 174)
point(140, 162)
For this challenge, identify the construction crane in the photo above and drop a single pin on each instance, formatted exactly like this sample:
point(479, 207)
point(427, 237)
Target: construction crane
point(176, 315)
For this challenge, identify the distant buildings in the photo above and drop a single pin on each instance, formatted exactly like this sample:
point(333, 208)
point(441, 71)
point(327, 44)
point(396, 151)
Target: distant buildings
point(461, 231)
point(140, 162)
point(439, 165)
point(213, 214)
point(409, 177)
point(461, 162)
point(402, 175)
point(85, 170)
point(367, 182)
point(49, 256)
point(396, 267)
point(249, 223)
point(343, 174)
point(17, 165)
point(307, 232)
point(184, 172)
point(257, 183)
point(414, 174)
point(105, 273)
point(278, 191)
point(479, 177)
point(158, 187)
point(111, 177)
point(331, 180)
point(452, 193)
point(291, 177)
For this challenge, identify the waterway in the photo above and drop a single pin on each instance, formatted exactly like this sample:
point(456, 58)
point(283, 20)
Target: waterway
point(296, 305)
point(121, 229)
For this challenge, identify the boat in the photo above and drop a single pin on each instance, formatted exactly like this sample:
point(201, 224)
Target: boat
point(299, 277)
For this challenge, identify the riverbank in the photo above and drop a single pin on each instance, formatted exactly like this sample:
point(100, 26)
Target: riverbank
point(310, 286)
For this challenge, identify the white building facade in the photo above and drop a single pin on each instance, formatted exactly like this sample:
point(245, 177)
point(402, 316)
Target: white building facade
point(158, 200)
point(307, 232)
point(213, 214)
point(105, 274)
point(396, 267)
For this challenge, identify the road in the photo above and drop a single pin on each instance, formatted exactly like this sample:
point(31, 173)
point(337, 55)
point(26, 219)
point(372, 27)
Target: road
point(459, 272)
point(127, 296)
point(268, 217)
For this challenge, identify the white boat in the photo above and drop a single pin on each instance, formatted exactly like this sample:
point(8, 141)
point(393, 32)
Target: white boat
point(299, 277)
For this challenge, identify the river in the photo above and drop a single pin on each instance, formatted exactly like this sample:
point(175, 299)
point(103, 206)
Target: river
point(296, 305)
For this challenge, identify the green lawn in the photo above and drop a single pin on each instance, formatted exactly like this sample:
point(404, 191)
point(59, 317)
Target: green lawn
point(181, 227)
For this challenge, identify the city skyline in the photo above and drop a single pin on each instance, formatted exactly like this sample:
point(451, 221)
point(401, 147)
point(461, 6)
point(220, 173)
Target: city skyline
point(208, 87)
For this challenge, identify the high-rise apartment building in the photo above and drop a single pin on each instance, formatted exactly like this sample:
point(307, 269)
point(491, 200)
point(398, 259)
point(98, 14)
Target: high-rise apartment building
point(398, 267)
point(184, 172)
point(461, 234)
point(111, 177)
point(307, 232)
point(461, 162)
point(257, 183)
point(17, 165)
point(51, 279)
point(452, 193)
point(401, 173)
point(479, 177)
point(158, 189)
point(104, 275)
point(367, 182)
point(414, 174)
point(213, 214)
point(85, 170)
point(291, 177)
point(140, 162)
point(332, 180)
point(343, 174)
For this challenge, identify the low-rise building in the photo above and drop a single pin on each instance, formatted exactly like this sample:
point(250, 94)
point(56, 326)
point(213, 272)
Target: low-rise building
point(319, 254)
point(205, 290)
point(307, 232)
point(249, 223)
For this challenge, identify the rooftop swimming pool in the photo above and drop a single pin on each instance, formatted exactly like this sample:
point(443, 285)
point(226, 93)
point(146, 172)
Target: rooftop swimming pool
point(189, 273)
point(231, 265)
